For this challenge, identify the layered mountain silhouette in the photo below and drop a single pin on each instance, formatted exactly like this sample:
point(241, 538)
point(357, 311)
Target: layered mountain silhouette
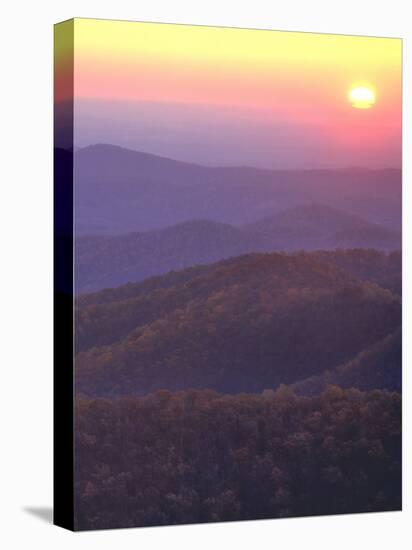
point(233, 279)
point(241, 325)
point(109, 261)
point(118, 191)
point(234, 320)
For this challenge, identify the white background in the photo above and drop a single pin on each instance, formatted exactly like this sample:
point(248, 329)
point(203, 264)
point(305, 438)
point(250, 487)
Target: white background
point(26, 272)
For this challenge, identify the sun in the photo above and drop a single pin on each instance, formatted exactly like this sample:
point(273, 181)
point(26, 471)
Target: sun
point(362, 97)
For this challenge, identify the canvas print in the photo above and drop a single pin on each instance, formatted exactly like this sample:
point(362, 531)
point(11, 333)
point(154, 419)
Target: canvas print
point(229, 270)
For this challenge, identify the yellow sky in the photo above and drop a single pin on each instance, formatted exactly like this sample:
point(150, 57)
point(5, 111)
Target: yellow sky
point(235, 47)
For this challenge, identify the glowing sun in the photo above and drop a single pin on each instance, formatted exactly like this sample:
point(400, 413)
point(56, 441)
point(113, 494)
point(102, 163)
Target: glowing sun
point(362, 97)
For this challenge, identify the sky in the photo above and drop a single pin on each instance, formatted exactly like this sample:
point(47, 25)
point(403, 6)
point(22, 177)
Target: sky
point(227, 96)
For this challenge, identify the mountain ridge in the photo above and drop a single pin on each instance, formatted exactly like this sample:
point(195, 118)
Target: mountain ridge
point(109, 261)
point(119, 190)
point(344, 168)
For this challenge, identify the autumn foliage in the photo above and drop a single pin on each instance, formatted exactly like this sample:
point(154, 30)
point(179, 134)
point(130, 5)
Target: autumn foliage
point(198, 456)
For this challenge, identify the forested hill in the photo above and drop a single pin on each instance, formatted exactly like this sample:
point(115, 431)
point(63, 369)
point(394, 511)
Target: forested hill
point(109, 261)
point(198, 456)
point(244, 324)
point(368, 265)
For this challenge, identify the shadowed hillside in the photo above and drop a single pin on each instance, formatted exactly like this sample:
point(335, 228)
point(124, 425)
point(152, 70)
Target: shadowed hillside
point(379, 366)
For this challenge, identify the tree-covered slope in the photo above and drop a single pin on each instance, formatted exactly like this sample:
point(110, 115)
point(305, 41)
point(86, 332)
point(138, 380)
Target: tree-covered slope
point(198, 456)
point(244, 324)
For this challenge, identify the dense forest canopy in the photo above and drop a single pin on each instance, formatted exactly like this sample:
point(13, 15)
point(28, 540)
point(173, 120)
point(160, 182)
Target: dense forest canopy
point(198, 456)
